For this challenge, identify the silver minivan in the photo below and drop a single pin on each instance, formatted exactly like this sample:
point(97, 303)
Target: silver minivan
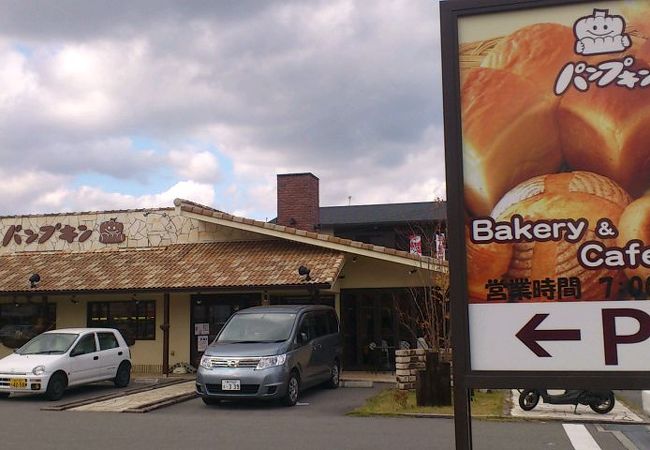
point(272, 352)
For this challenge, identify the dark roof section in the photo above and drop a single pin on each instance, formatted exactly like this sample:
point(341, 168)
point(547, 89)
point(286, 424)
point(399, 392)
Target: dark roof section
point(383, 213)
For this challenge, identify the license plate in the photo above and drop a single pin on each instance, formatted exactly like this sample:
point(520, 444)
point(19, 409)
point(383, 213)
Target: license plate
point(230, 385)
point(18, 383)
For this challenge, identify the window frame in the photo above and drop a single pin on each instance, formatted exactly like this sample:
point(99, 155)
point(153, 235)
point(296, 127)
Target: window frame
point(136, 325)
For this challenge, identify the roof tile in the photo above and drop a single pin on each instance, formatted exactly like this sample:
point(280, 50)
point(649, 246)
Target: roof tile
point(178, 266)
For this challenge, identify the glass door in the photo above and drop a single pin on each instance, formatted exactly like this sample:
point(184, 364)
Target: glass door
point(208, 315)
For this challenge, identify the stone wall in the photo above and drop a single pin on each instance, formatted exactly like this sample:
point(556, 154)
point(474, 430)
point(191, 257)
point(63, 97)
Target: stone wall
point(407, 364)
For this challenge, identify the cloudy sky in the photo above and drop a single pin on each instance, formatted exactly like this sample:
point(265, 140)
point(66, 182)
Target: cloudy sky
point(129, 104)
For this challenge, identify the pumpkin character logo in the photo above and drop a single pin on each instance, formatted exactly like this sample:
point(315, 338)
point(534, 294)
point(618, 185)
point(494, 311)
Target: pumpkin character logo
point(111, 232)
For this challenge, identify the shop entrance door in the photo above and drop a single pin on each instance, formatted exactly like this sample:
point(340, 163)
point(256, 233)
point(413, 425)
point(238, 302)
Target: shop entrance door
point(208, 315)
point(370, 329)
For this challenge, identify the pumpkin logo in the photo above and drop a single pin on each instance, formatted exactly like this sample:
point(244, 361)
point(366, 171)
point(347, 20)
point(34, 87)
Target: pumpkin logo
point(111, 232)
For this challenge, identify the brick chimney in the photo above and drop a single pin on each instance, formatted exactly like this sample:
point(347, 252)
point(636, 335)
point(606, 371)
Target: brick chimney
point(298, 201)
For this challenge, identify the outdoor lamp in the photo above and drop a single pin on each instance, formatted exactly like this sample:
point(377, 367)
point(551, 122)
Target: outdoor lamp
point(34, 280)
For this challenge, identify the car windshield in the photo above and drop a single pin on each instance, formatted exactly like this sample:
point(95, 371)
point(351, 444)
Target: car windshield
point(48, 343)
point(257, 327)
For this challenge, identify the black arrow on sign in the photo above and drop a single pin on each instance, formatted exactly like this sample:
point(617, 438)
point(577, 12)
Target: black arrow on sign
point(530, 335)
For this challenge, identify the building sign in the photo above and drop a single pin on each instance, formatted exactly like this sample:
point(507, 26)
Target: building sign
point(415, 244)
point(111, 232)
point(555, 158)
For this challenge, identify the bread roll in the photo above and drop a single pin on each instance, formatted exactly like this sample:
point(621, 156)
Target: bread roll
point(485, 262)
point(537, 52)
point(635, 224)
point(607, 131)
point(510, 134)
point(642, 53)
point(572, 195)
point(637, 16)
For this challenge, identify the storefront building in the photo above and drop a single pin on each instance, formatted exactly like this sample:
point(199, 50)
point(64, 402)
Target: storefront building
point(169, 278)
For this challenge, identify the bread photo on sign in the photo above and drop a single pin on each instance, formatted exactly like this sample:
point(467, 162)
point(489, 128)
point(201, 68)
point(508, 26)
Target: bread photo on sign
point(536, 52)
point(637, 15)
point(510, 134)
point(570, 195)
point(607, 130)
point(486, 262)
point(635, 225)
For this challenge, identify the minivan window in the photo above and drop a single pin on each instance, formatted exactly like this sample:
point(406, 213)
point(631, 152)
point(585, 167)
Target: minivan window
point(320, 324)
point(257, 327)
point(332, 323)
point(306, 327)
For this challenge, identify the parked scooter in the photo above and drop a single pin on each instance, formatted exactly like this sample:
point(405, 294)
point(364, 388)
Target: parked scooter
point(601, 402)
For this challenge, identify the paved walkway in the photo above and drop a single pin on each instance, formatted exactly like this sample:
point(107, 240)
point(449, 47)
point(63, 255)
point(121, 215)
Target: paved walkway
point(544, 411)
point(137, 400)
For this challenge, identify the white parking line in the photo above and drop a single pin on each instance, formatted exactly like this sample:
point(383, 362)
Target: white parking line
point(580, 437)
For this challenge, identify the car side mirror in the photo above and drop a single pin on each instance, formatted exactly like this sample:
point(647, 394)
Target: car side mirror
point(302, 338)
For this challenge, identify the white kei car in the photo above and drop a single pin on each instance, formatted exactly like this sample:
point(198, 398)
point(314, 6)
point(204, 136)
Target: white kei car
point(54, 360)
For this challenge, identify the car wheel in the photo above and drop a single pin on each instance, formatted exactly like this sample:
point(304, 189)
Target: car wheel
point(123, 376)
point(210, 401)
point(56, 387)
point(293, 390)
point(4, 394)
point(335, 376)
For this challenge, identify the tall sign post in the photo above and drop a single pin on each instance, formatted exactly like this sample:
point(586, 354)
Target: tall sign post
point(547, 136)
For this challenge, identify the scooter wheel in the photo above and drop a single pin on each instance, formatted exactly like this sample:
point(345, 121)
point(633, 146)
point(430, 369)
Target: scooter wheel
point(528, 399)
point(604, 405)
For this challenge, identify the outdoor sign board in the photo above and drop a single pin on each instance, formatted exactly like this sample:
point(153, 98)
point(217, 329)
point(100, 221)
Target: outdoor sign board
point(547, 136)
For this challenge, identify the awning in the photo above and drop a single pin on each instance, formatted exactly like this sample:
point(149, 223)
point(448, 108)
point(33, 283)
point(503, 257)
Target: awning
point(248, 264)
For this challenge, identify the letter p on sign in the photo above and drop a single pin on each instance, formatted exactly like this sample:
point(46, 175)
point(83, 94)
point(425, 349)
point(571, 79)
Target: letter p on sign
point(612, 339)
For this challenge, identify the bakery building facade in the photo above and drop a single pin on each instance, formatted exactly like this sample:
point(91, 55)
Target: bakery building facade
point(169, 278)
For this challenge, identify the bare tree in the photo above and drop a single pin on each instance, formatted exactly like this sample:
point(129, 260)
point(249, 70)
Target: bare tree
point(424, 311)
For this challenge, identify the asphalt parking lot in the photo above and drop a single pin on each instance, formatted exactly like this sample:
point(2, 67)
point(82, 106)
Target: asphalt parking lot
point(319, 421)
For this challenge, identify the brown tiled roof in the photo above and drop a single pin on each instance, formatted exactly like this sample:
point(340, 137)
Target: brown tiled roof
point(191, 207)
point(245, 264)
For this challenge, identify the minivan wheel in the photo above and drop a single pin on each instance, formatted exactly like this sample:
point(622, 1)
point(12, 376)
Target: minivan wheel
point(293, 390)
point(335, 376)
point(123, 376)
point(56, 387)
point(210, 401)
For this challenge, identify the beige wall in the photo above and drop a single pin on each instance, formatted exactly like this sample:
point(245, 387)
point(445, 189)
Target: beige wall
point(146, 355)
point(371, 273)
point(179, 328)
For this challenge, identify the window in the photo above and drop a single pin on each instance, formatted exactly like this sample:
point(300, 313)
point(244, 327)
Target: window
point(332, 322)
point(85, 345)
point(306, 327)
point(320, 324)
point(19, 322)
point(135, 320)
point(107, 341)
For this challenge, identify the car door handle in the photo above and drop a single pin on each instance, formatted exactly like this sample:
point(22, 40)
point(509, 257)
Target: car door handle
point(95, 358)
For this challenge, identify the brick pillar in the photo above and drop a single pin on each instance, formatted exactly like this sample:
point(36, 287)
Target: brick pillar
point(298, 201)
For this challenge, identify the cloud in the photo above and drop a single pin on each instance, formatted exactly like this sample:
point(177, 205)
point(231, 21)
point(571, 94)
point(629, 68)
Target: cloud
point(348, 90)
point(201, 166)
